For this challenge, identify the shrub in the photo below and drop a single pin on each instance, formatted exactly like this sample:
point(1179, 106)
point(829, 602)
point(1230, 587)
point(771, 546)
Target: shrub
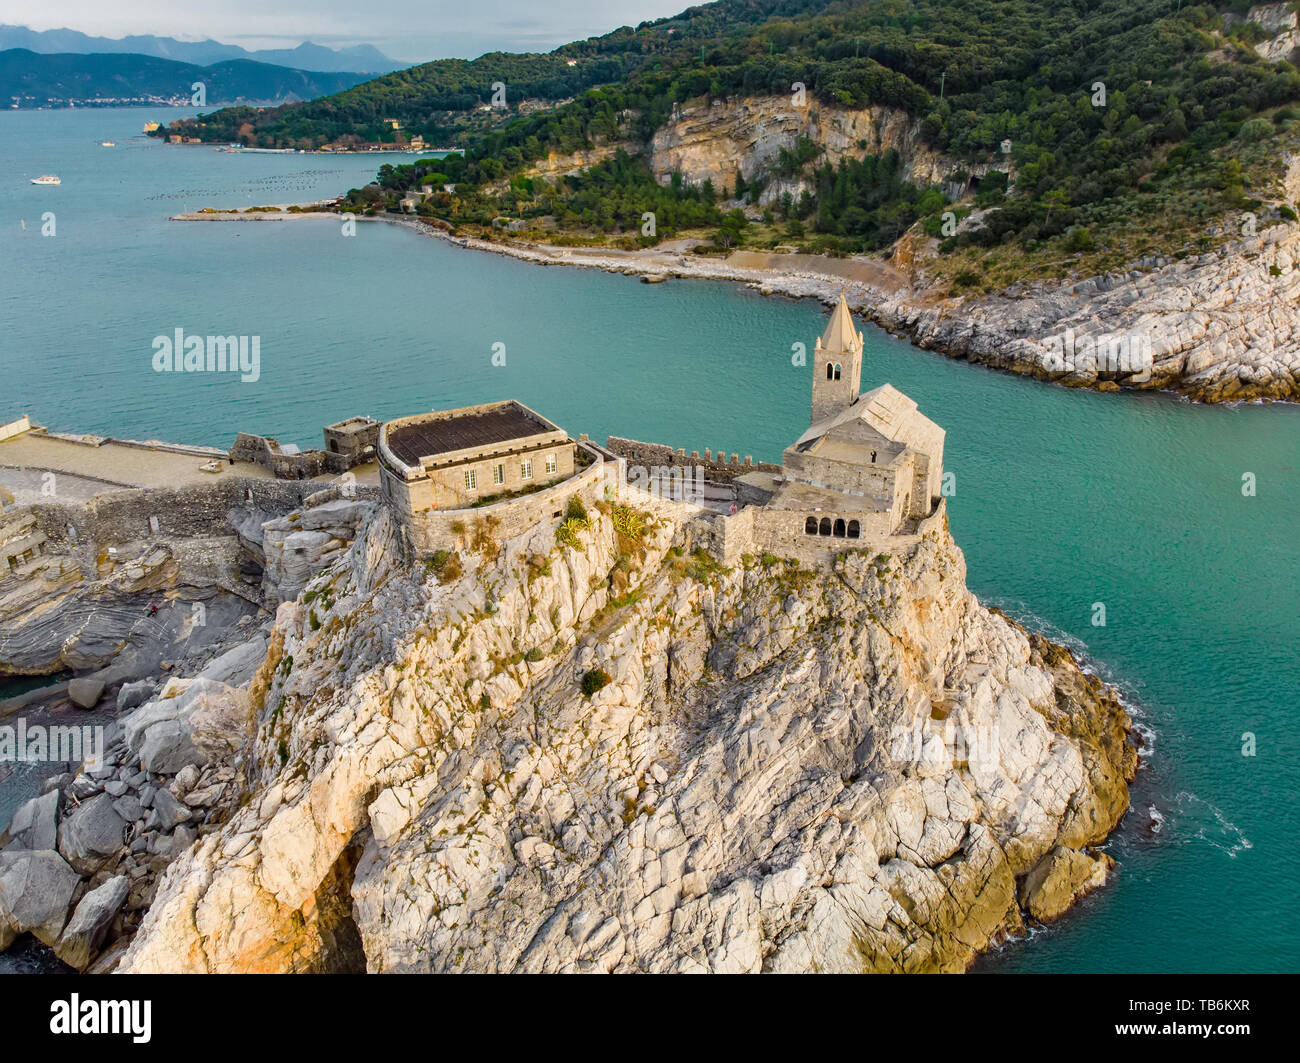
point(595, 680)
point(628, 521)
point(445, 565)
point(483, 541)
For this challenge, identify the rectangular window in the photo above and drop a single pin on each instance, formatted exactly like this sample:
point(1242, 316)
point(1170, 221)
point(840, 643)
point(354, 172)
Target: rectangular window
point(499, 474)
point(526, 469)
point(471, 479)
point(550, 463)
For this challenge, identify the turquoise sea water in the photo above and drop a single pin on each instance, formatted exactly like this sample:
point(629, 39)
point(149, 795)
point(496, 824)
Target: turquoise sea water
point(1063, 499)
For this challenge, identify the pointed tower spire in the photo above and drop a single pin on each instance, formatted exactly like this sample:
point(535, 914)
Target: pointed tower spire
point(837, 364)
point(840, 335)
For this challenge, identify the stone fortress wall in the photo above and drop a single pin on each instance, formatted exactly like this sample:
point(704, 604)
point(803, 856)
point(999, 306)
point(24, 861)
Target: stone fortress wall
point(214, 531)
point(190, 512)
point(348, 443)
point(718, 468)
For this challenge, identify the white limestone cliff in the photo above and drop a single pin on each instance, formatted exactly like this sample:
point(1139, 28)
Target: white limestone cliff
point(764, 782)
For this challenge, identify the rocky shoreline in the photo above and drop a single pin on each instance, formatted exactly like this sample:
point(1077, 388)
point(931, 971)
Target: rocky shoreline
point(854, 768)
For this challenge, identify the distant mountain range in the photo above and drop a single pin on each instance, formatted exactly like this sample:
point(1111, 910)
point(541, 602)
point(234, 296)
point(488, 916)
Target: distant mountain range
point(31, 80)
point(361, 58)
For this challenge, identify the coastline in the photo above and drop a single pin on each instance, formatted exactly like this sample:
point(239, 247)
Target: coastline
point(1190, 358)
point(989, 330)
point(1184, 316)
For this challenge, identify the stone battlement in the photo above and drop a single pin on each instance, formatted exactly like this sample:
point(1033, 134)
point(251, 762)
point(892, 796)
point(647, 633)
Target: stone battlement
point(720, 468)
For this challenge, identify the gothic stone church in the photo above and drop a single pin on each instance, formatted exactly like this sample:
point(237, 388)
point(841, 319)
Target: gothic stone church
point(869, 466)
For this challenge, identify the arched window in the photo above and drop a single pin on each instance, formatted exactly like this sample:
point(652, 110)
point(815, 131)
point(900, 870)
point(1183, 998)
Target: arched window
point(837, 370)
point(810, 526)
point(839, 528)
point(830, 371)
point(855, 530)
point(873, 457)
point(825, 527)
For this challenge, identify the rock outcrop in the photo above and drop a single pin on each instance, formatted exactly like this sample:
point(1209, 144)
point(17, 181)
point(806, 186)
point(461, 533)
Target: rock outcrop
point(1220, 326)
point(89, 850)
point(617, 755)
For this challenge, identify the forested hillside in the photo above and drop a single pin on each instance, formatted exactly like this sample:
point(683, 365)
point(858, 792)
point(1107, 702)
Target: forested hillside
point(29, 79)
point(1110, 127)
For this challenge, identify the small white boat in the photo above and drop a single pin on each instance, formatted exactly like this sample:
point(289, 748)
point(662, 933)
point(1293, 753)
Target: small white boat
point(48, 179)
point(107, 144)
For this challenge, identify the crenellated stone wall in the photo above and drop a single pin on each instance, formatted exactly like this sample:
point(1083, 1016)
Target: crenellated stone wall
point(719, 468)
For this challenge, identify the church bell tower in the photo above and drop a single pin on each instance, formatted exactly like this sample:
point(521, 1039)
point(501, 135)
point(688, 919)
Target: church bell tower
point(837, 365)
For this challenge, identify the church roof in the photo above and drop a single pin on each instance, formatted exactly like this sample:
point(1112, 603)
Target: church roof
point(885, 412)
point(840, 335)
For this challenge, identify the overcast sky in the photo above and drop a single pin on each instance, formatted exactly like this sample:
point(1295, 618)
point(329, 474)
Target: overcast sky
point(412, 30)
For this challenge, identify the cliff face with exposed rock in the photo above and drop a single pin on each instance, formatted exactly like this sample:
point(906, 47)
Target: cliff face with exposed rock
point(616, 755)
point(157, 596)
point(713, 141)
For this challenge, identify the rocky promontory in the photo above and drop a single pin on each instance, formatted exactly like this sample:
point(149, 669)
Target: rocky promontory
point(608, 753)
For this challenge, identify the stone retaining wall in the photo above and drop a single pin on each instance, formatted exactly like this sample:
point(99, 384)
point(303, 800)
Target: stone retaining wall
point(195, 511)
point(451, 529)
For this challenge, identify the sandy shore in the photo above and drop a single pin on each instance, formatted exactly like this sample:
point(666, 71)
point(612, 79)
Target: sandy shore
point(795, 275)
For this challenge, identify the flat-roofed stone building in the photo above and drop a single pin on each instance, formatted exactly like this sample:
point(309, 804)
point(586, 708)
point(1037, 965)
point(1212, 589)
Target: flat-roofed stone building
point(354, 438)
point(451, 459)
